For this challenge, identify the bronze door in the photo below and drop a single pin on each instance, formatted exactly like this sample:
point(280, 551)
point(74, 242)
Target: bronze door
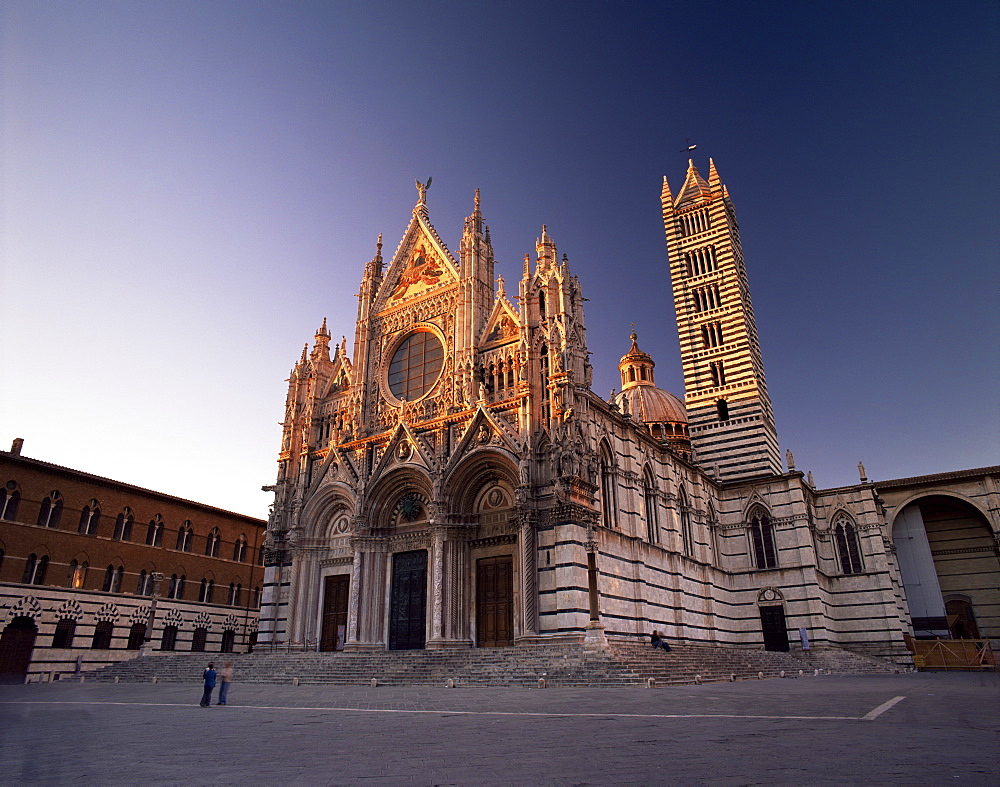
point(408, 600)
point(495, 602)
point(335, 612)
point(772, 622)
point(16, 644)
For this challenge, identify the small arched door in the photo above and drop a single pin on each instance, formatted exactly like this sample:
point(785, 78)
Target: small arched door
point(16, 645)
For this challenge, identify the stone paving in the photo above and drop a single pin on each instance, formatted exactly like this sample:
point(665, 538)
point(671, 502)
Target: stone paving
point(875, 729)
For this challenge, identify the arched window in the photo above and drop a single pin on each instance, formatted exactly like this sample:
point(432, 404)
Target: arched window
point(212, 543)
point(205, 590)
point(90, 517)
point(609, 488)
point(240, 548)
point(63, 636)
point(145, 585)
point(154, 533)
point(185, 536)
point(169, 639)
point(649, 498)
point(541, 305)
point(255, 601)
point(10, 501)
point(722, 409)
point(231, 598)
point(687, 537)
point(113, 579)
point(176, 589)
point(123, 525)
point(77, 574)
point(762, 539)
point(102, 635)
point(848, 549)
point(228, 641)
point(199, 639)
point(34, 569)
point(51, 511)
point(136, 635)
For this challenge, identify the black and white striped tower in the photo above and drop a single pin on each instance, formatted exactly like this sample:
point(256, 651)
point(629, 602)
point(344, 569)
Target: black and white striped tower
point(729, 412)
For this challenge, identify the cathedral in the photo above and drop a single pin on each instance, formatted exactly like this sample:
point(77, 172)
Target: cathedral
point(451, 480)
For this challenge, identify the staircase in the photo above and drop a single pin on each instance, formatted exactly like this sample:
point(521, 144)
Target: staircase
point(695, 663)
point(624, 664)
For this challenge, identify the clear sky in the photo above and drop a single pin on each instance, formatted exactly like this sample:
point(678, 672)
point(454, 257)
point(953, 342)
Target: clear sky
point(189, 188)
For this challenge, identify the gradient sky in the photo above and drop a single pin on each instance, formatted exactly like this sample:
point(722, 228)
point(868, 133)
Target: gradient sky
point(188, 189)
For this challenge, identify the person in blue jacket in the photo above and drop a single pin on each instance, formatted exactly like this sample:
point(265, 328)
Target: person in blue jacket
point(209, 676)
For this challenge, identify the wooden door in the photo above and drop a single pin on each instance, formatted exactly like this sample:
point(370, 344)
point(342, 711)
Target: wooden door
point(334, 612)
point(495, 602)
point(772, 622)
point(408, 600)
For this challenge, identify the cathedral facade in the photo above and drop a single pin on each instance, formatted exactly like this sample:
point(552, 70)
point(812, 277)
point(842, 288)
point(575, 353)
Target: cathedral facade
point(450, 480)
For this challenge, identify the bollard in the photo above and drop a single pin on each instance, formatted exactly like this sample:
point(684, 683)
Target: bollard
point(295, 681)
point(374, 682)
point(760, 676)
point(450, 683)
point(52, 676)
point(815, 672)
point(781, 674)
point(801, 673)
point(81, 679)
point(697, 679)
point(541, 683)
point(117, 679)
point(650, 683)
point(156, 679)
point(732, 677)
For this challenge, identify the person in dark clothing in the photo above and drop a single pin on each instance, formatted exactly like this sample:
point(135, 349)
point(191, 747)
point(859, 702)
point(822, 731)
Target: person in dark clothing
point(658, 641)
point(209, 676)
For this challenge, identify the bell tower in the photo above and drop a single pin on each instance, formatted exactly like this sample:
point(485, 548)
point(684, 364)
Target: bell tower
point(729, 411)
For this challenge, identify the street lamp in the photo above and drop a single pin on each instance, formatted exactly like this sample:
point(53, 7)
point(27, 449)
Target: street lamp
point(147, 641)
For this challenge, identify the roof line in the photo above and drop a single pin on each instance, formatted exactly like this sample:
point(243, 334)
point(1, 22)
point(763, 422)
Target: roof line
point(14, 458)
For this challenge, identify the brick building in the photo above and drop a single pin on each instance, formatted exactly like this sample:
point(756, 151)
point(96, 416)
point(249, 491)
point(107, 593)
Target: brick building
point(82, 559)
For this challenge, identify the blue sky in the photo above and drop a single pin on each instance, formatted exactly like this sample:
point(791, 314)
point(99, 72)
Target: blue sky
point(188, 189)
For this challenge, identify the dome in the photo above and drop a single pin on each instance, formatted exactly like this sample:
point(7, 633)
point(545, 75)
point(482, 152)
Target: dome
point(652, 405)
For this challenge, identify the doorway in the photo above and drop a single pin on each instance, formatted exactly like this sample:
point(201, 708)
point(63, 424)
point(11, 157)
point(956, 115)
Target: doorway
point(408, 600)
point(16, 644)
point(772, 623)
point(334, 612)
point(495, 602)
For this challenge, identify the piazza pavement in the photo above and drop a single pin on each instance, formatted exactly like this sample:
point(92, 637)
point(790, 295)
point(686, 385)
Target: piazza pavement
point(916, 728)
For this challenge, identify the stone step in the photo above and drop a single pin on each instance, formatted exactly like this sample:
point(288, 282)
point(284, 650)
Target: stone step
point(624, 663)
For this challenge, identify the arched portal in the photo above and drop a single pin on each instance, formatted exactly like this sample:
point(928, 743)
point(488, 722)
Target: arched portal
point(950, 569)
point(16, 645)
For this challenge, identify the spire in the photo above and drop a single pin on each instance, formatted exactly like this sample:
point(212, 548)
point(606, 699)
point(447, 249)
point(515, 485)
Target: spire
point(527, 265)
point(694, 190)
point(321, 349)
point(545, 248)
point(665, 196)
point(714, 181)
point(305, 349)
point(501, 292)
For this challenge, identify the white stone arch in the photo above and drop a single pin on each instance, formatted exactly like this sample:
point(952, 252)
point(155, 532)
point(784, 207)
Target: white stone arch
point(382, 502)
point(319, 512)
point(471, 482)
point(917, 496)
